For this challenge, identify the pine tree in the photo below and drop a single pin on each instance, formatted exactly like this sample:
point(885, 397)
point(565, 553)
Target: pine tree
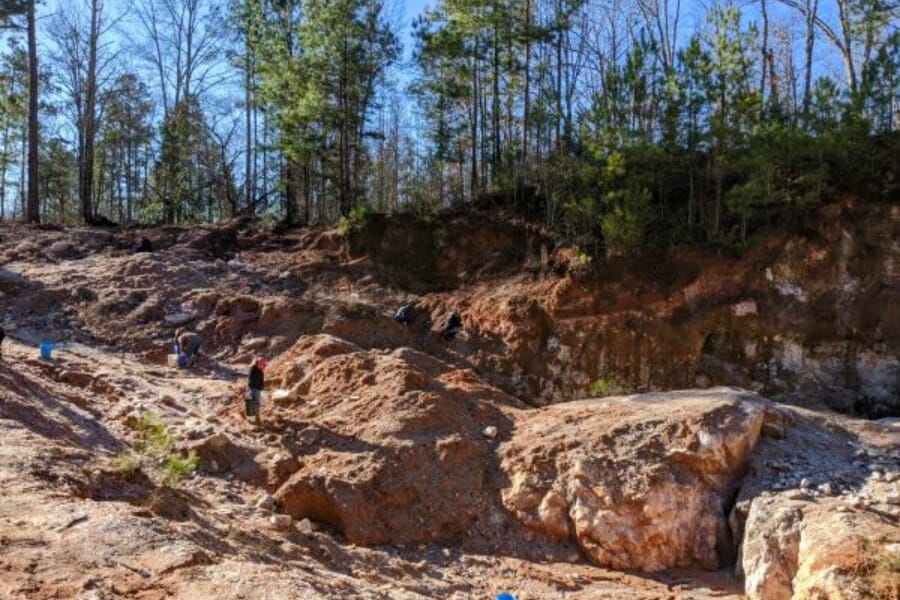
point(9, 11)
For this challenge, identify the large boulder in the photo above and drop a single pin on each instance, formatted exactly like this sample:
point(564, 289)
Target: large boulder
point(639, 482)
point(771, 549)
point(409, 448)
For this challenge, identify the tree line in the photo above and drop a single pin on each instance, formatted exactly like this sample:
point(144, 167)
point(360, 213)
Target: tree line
point(622, 123)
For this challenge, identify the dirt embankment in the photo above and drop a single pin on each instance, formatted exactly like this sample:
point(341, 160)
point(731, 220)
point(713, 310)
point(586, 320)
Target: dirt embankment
point(809, 315)
point(386, 435)
point(814, 315)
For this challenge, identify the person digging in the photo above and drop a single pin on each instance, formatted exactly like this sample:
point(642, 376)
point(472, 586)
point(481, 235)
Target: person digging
point(452, 326)
point(189, 344)
point(404, 314)
point(256, 382)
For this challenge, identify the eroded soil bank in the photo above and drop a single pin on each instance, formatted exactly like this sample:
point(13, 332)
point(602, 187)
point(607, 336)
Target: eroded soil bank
point(399, 465)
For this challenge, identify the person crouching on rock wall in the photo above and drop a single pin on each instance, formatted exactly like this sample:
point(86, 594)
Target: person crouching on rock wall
point(404, 314)
point(452, 326)
point(255, 384)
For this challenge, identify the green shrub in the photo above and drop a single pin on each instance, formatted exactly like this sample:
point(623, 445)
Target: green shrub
point(582, 259)
point(177, 466)
point(156, 443)
point(152, 438)
point(605, 386)
point(355, 219)
point(126, 463)
point(625, 224)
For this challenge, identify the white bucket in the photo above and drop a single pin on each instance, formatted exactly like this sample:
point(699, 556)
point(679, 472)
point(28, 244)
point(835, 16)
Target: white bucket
point(172, 360)
point(281, 395)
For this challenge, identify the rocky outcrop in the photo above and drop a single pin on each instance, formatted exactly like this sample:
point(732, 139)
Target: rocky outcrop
point(393, 447)
point(390, 434)
point(771, 550)
point(219, 454)
point(796, 549)
point(408, 448)
point(814, 517)
point(640, 482)
point(814, 315)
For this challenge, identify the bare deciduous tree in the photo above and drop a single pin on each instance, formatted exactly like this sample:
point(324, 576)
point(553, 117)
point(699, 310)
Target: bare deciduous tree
point(185, 45)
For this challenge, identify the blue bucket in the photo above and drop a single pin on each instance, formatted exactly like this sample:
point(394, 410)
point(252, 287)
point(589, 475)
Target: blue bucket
point(46, 350)
point(182, 361)
point(504, 596)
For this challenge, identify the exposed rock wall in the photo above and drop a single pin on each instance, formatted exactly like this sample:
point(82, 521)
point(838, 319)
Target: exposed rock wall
point(815, 313)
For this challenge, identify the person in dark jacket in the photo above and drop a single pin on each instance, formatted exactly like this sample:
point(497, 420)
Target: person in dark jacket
point(141, 245)
point(2, 337)
point(404, 314)
point(452, 325)
point(256, 382)
point(189, 344)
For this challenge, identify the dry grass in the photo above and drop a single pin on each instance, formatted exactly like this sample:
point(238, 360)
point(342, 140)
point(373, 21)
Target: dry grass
point(880, 569)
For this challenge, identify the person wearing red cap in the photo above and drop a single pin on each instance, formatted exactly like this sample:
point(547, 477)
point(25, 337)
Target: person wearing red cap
point(255, 384)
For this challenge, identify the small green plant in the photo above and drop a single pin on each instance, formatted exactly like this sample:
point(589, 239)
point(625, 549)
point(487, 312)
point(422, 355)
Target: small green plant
point(154, 442)
point(605, 386)
point(152, 438)
point(582, 258)
point(353, 220)
point(177, 466)
point(126, 463)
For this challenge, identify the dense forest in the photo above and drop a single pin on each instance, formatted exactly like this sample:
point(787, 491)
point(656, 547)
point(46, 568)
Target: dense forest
point(624, 123)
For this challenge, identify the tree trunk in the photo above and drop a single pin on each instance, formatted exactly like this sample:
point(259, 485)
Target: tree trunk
point(559, 72)
point(495, 108)
point(474, 150)
point(344, 133)
point(86, 170)
point(248, 158)
point(264, 190)
point(33, 205)
point(22, 191)
point(4, 166)
point(812, 7)
point(526, 106)
point(765, 53)
point(847, 45)
point(290, 193)
point(307, 193)
point(129, 182)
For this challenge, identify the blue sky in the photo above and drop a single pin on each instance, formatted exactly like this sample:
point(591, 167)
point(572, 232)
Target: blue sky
point(411, 9)
point(414, 7)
